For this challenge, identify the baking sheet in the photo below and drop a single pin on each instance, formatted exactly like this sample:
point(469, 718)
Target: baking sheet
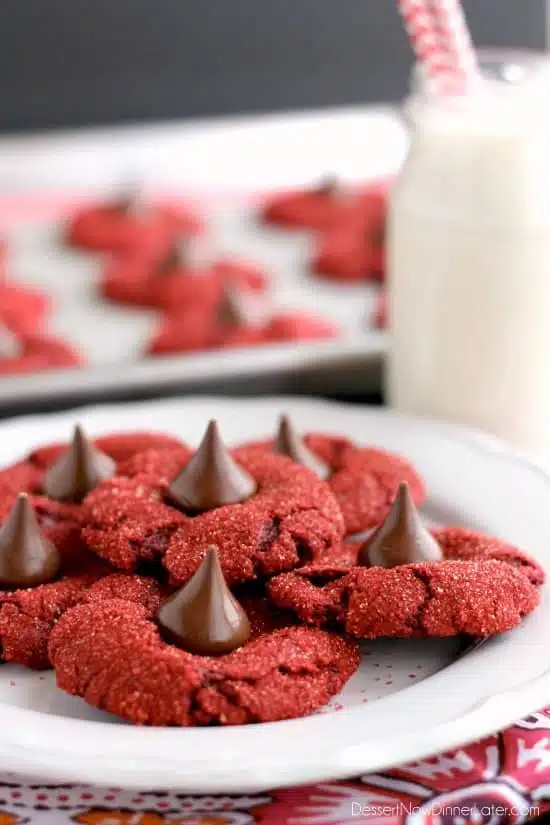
point(112, 338)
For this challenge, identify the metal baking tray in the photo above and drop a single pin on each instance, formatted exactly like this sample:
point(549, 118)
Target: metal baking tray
point(223, 166)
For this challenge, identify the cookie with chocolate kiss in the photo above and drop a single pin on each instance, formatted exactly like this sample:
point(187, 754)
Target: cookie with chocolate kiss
point(169, 279)
point(401, 538)
point(211, 478)
point(203, 616)
point(291, 444)
point(78, 471)
point(39, 582)
point(56, 493)
point(204, 659)
point(27, 557)
point(77, 464)
point(120, 446)
point(351, 248)
point(262, 512)
point(364, 480)
point(412, 582)
point(312, 208)
point(113, 226)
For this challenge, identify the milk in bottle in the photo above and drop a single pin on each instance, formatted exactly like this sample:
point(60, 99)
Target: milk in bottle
point(469, 259)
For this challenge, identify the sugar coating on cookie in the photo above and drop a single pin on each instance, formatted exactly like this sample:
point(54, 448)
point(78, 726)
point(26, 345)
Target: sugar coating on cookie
point(291, 519)
point(27, 617)
point(99, 650)
point(482, 587)
point(61, 520)
point(364, 480)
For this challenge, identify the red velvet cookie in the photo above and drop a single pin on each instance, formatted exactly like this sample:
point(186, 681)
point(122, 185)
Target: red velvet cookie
point(189, 288)
point(119, 446)
point(200, 330)
point(299, 326)
point(194, 331)
point(99, 650)
point(140, 280)
point(481, 587)
point(39, 354)
point(114, 227)
point(351, 248)
point(42, 573)
point(61, 520)
point(22, 310)
point(27, 617)
point(364, 480)
point(291, 518)
point(313, 208)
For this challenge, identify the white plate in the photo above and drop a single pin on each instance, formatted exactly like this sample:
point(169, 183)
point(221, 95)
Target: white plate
point(211, 161)
point(408, 700)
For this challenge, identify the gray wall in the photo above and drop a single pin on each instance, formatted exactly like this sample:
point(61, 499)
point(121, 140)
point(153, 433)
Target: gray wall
point(72, 62)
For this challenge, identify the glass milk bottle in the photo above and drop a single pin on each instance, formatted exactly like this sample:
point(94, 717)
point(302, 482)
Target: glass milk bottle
point(469, 256)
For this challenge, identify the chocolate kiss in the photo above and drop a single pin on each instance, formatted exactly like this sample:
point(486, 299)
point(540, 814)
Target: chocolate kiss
point(129, 201)
point(289, 443)
point(27, 558)
point(211, 478)
point(401, 538)
point(327, 186)
point(124, 203)
point(232, 310)
point(203, 616)
point(79, 470)
point(174, 259)
point(10, 346)
point(242, 308)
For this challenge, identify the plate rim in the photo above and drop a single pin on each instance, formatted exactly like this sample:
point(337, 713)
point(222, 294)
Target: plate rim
point(484, 716)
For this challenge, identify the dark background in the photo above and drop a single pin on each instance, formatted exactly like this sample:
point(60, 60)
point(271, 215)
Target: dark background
point(75, 62)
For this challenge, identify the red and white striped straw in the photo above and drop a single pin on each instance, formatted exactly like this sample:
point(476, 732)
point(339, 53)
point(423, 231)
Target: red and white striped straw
point(440, 39)
point(423, 36)
point(454, 35)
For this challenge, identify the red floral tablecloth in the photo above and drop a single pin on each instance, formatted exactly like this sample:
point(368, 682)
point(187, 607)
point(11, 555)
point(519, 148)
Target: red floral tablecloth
point(501, 779)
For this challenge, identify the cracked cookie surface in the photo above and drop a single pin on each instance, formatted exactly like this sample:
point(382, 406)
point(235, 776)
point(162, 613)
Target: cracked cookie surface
point(111, 654)
point(364, 480)
point(61, 521)
point(290, 520)
point(482, 587)
point(28, 615)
